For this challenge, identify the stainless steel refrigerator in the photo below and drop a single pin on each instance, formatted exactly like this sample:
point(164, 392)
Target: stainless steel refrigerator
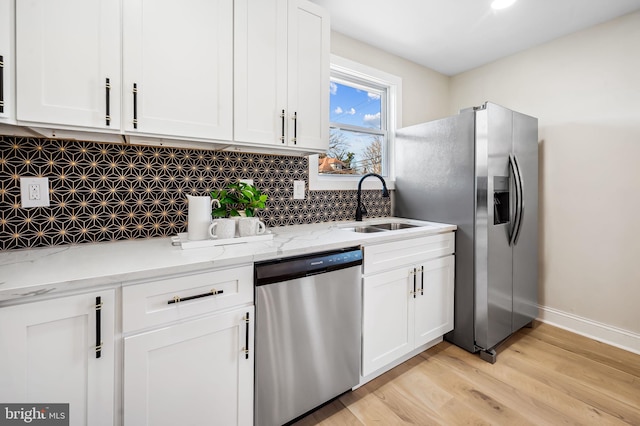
point(479, 170)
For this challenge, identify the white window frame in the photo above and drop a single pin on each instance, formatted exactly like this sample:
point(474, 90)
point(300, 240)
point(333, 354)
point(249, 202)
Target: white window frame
point(393, 83)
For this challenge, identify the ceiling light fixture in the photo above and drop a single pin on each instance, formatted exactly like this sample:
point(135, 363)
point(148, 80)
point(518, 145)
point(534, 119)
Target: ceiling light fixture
point(501, 4)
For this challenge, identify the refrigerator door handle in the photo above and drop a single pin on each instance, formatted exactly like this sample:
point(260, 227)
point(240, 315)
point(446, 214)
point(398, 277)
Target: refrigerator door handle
point(515, 172)
point(521, 218)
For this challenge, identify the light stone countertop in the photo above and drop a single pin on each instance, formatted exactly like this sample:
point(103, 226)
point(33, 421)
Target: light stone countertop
point(42, 271)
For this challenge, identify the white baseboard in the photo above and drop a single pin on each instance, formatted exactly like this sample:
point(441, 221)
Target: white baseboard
point(623, 339)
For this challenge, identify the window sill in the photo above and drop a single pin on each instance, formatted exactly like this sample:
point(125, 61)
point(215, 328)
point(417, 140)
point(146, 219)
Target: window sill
point(341, 183)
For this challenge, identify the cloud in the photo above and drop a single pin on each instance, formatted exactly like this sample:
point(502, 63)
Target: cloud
point(372, 119)
point(333, 88)
point(339, 111)
point(373, 96)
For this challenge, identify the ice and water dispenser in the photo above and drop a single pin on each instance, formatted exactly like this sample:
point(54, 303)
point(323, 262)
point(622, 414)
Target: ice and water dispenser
point(500, 200)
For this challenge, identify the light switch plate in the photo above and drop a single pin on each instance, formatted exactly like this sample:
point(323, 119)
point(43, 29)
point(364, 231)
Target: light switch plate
point(34, 192)
point(298, 190)
point(247, 181)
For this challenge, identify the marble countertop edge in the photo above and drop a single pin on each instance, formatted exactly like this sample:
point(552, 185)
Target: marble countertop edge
point(25, 274)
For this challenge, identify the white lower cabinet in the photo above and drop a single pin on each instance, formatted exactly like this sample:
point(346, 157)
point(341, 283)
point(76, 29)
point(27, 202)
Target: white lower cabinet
point(409, 305)
point(433, 313)
point(50, 355)
point(188, 349)
point(387, 331)
point(193, 373)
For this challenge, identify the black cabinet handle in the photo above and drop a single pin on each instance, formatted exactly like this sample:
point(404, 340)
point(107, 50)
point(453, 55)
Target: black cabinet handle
point(178, 299)
point(1, 84)
point(98, 327)
point(422, 281)
point(295, 128)
point(135, 105)
point(107, 88)
point(246, 337)
point(282, 127)
point(414, 282)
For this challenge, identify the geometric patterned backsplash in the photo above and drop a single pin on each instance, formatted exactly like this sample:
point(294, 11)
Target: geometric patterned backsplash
point(108, 192)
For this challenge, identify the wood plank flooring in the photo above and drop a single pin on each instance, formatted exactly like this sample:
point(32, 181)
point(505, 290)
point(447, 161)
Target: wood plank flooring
point(543, 376)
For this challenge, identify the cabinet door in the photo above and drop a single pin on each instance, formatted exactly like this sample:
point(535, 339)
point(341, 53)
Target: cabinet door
point(67, 49)
point(260, 73)
point(191, 373)
point(387, 322)
point(434, 299)
point(7, 113)
point(49, 356)
point(179, 56)
point(308, 106)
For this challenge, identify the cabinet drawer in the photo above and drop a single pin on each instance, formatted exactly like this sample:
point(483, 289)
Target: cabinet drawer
point(164, 300)
point(382, 257)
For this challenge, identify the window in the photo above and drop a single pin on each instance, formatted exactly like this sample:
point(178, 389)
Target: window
point(364, 110)
point(358, 134)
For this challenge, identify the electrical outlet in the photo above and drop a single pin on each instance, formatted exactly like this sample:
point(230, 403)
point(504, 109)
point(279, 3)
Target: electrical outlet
point(298, 190)
point(247, 181)
point(34, 192)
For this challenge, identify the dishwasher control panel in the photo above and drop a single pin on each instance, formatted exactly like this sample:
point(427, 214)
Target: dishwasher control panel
point(299, 266)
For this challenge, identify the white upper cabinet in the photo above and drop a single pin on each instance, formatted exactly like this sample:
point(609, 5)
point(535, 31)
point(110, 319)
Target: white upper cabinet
point(260, 61)
point(251, 71)
point(281, 57)
point(308, 75)
point(178, 68)
point(7, 82)
point(68, 63)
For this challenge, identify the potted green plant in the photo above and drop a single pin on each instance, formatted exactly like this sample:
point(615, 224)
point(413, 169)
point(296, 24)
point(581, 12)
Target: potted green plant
point(238, 199)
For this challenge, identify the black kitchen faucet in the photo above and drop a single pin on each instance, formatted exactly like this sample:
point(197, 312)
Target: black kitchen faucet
point(360, 209)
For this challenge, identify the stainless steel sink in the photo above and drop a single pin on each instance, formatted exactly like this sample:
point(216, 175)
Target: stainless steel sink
point(393, 226)
point(379, 227)
point(362, 229)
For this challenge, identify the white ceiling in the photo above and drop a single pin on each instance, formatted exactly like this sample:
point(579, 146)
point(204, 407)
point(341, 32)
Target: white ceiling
point(452, 36)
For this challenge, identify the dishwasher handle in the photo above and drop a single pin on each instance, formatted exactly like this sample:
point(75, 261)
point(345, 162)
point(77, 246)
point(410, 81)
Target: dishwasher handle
point(322, 271)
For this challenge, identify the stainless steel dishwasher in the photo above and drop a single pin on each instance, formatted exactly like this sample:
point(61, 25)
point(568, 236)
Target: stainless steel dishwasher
point(308, 328)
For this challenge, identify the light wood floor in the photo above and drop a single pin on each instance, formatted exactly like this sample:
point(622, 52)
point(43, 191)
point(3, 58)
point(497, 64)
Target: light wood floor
point(543, 376)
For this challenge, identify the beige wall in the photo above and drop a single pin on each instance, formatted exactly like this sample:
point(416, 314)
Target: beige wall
point(425, 93)
point(585, 90)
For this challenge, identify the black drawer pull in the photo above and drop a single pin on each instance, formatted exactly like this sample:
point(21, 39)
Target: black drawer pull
point(414, 282)
point(295, 128)
point(98, 327)
point(1, 84)
point(135, 105)
point(282, 128)
point(178, 299)
point(246, 337)
point(107, 88)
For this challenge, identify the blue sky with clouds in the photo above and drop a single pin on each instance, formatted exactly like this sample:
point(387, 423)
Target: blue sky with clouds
point(354, 106)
